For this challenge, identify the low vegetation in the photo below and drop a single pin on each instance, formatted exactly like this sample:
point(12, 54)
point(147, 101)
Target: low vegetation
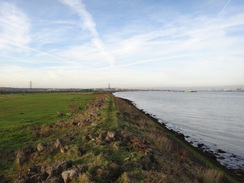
point(75, 137)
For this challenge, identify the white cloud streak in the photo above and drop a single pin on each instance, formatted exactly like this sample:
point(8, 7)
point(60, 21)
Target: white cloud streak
point(18, 60)
point(193, 38)
point(14, 26)
point(190, 41)
point(184, 50)
point(15, 33)
point(88, 24)
point(223, 10)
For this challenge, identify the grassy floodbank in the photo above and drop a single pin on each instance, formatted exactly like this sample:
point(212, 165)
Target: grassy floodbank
point(105, 140)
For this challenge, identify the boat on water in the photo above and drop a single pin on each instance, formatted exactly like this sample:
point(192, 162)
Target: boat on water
point(192, 90)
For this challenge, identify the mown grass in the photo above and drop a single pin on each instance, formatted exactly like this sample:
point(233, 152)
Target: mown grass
point(110, 121)
point(20, 111)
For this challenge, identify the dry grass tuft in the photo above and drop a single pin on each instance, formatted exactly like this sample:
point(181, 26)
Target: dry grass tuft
point(212, 176)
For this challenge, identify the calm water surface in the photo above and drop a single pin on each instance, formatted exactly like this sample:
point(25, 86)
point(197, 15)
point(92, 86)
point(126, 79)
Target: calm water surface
point(215, 119)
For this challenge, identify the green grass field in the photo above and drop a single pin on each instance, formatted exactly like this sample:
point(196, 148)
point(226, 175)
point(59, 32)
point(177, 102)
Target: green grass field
point(18, 111)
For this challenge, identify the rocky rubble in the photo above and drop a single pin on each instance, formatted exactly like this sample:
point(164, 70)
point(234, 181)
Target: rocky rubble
point(22, 155)
point(103, 137)
point(80, 119)
point(57, 172)
point(66, 171)
point(90, 115)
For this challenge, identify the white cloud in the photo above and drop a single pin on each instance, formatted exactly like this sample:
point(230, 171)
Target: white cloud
point(85, 55)
point(79, 8)
point(88, 24)
point(223, 10)
point(15, 36)
point(48, 36)
point(14, 26)
point(194, 36)
point(67, 50)
point(58, 22)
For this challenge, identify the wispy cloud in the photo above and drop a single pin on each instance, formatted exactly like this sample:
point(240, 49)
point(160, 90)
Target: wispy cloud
point(18, 60)
point(58, 22)
point(151, 46)
point(88, 24)
point(14, 26)
point(223, 10)
point(191, 36)
point(49, 36)
point(15, 36)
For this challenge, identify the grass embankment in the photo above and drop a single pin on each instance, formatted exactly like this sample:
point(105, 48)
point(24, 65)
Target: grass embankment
point(183, 163)
point(103, 140)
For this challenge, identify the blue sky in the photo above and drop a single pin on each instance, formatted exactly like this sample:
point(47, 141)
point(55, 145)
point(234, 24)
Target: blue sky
point(128, 43)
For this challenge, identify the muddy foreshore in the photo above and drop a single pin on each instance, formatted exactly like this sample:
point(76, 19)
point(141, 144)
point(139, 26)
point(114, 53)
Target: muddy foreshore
point(210, 156)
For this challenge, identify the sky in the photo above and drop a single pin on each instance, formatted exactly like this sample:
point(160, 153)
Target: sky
point(127, 43)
